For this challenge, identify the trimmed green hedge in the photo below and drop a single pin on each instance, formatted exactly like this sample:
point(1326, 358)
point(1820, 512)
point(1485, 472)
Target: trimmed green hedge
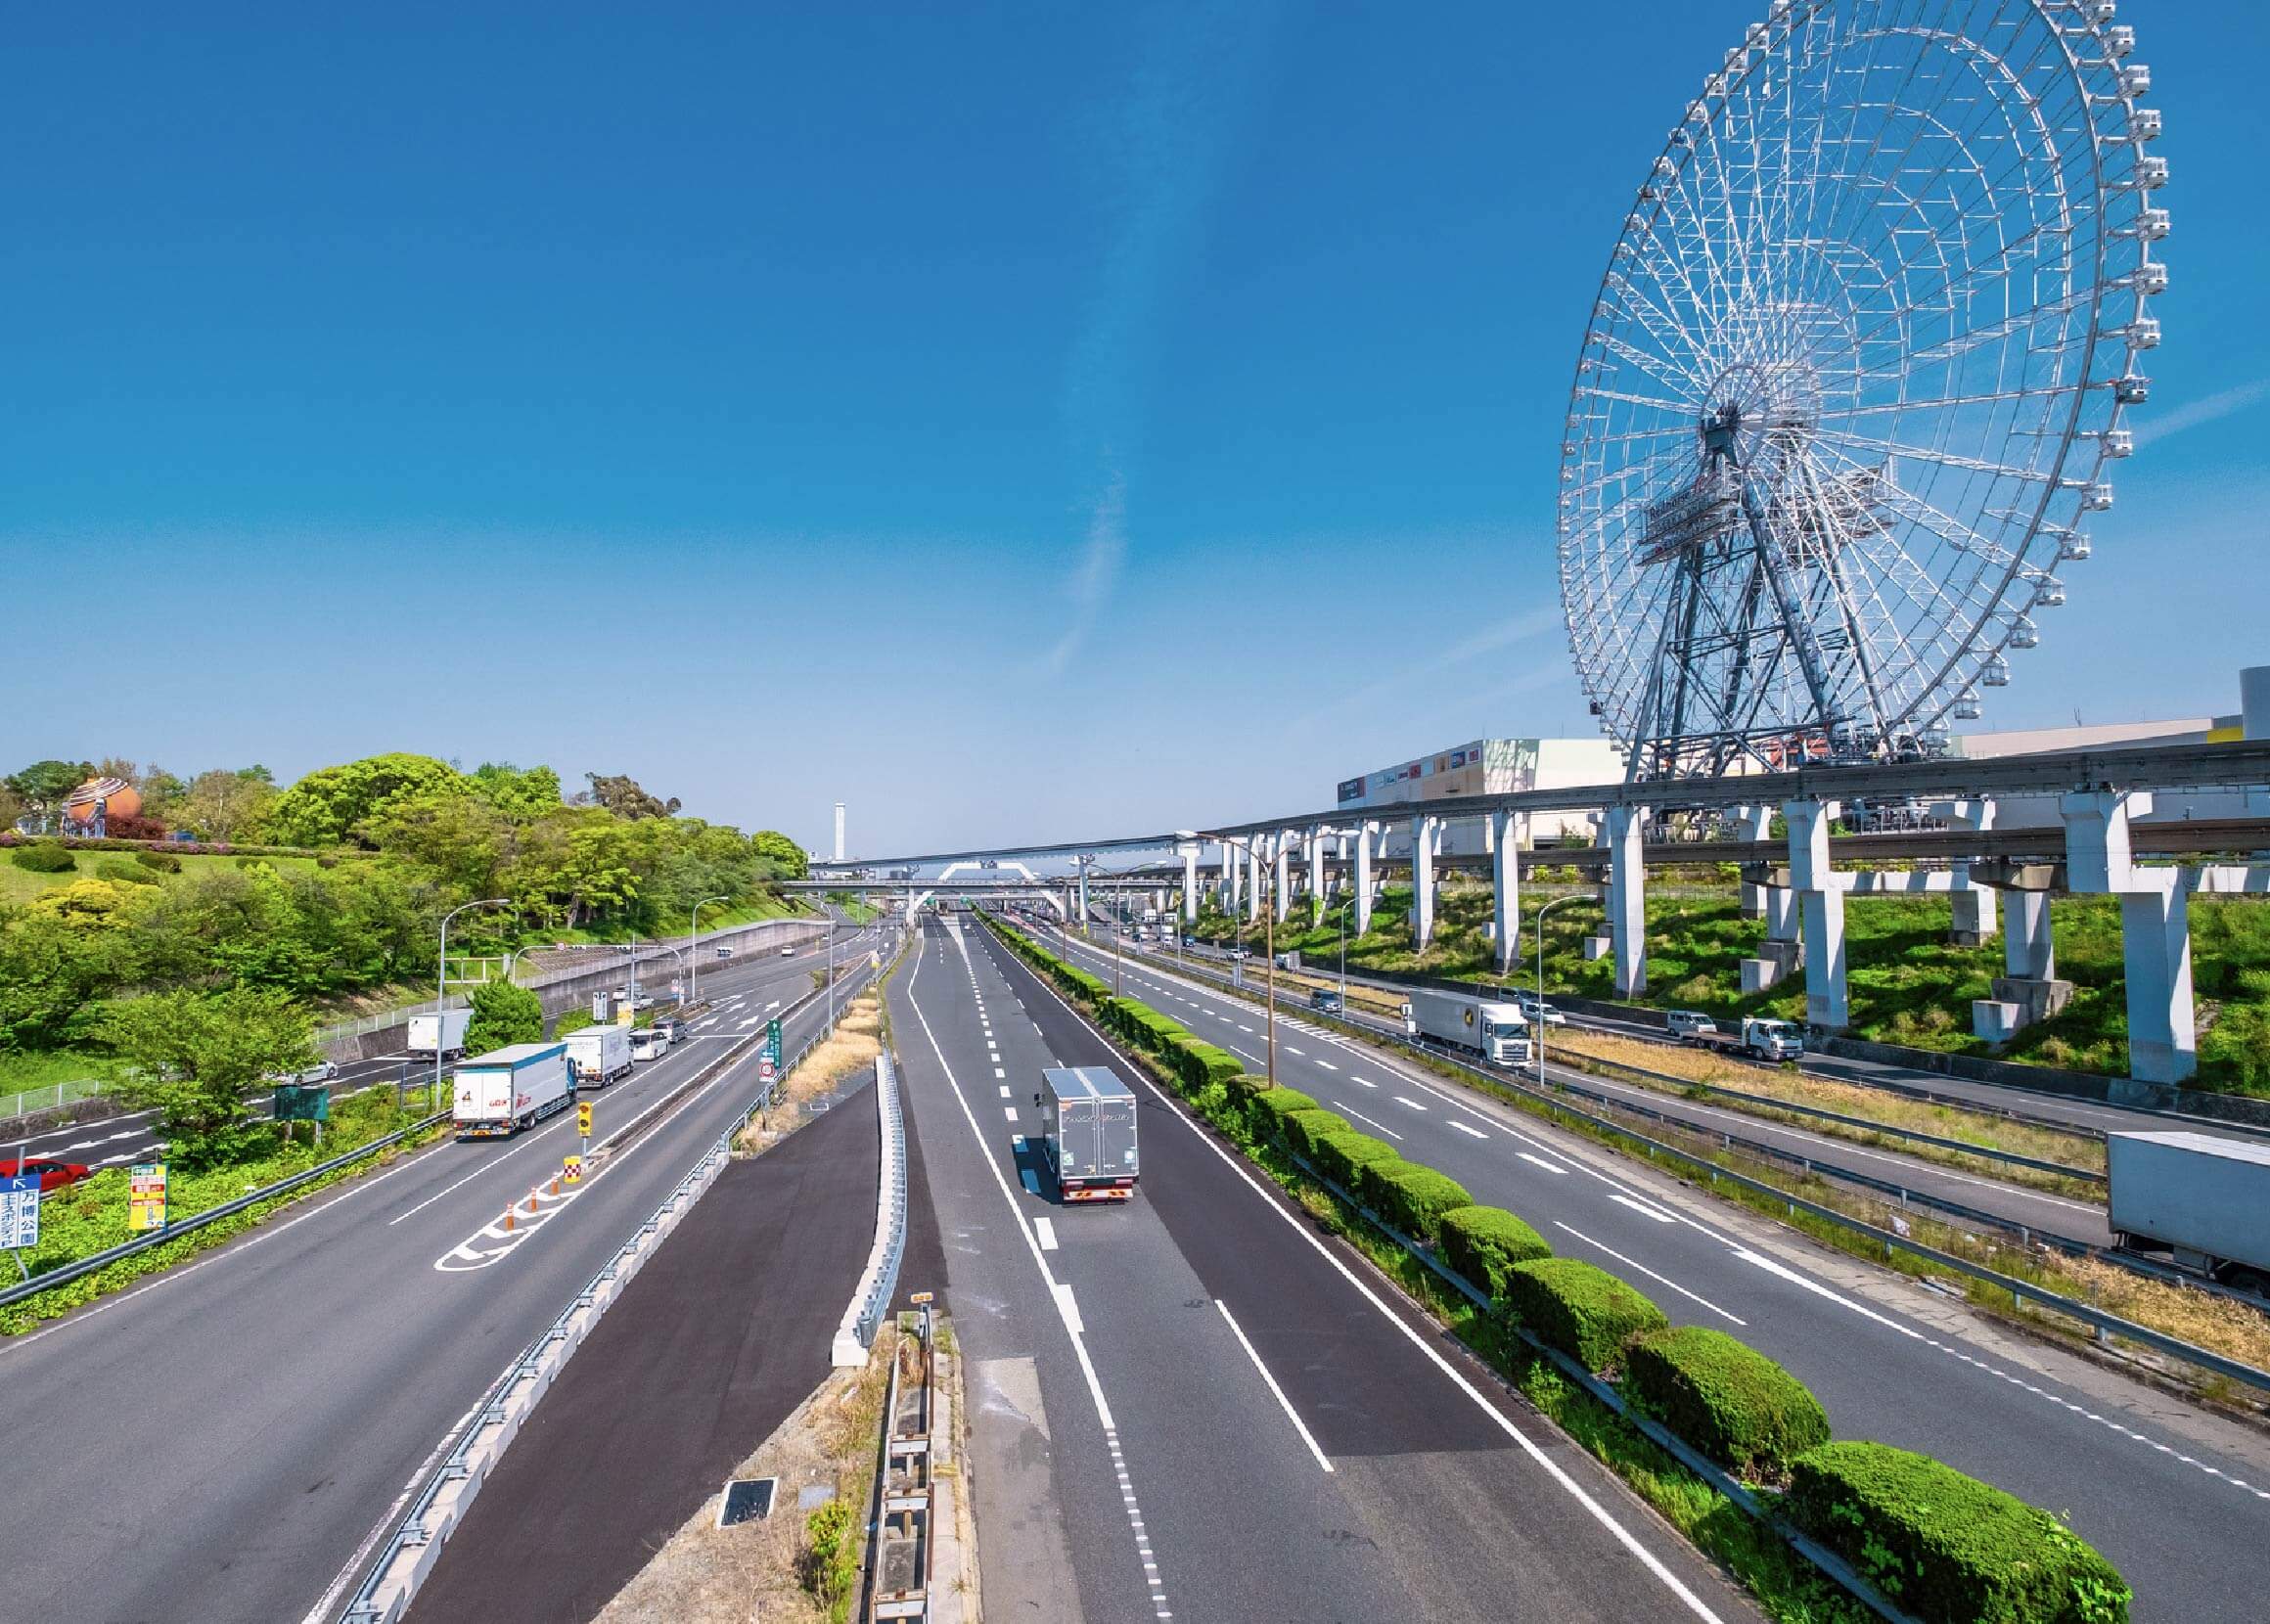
point(44, 857)
point(1409, 1197)
point(1945, 1547)
point(1730, 1401)
point(1585, 1311)
point(1481, 1243)
point(124, 871)
point(1342, 1158)
point(1304, 1128)
point(1268, 1109)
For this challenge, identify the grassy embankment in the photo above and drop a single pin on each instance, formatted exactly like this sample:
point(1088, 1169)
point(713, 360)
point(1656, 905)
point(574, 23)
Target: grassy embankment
point(1909, 984)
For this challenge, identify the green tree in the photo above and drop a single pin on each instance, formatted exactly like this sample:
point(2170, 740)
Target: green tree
point(521, 794)
point(321, 808)
point(223, 805)
point(621, 796)
point(50, 971)
point(460, 837)
point(162, 794)
point(44, 785)
point(196, 1057)
point(503, 1014)
point(786, 854)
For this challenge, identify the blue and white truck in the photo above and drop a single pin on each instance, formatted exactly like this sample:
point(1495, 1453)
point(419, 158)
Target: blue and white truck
point(508, 1089)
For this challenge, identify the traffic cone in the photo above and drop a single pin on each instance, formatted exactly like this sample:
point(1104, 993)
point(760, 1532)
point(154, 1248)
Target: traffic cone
point(509, 1211)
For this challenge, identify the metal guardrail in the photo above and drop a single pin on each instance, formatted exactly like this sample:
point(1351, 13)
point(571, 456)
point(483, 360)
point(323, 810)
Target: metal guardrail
point(384, 1595)
point(2025, 1290)
point(864, 1316)
point(70, 1271)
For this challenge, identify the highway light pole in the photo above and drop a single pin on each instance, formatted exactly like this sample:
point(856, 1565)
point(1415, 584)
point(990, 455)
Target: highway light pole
point(1538, 1034)
point(694, 948)
point(441, 985)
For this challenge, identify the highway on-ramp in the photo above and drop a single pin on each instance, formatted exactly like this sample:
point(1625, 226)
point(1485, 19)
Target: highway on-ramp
point(221, 1443)
point(1196, 1407)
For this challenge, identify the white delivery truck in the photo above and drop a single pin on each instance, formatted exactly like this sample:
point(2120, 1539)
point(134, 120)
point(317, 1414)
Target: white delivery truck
point(1772, 1040)
point(1498, 1032)
point(1087, 1132)
point(2193, 1199)
point(448, 1027)
point(505, 1090)
point(600, 1054)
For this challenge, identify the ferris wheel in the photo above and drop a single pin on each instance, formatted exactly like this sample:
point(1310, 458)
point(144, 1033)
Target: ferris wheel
point(1855, 377)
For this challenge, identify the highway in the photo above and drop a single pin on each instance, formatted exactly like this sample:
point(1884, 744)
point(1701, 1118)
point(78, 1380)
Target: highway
point(225, 1441)
point(1196, 1407)
point(2175, 1495)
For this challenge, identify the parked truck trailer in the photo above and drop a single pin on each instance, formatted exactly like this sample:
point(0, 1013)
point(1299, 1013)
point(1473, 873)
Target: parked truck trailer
point(506, 1090)
point(1087, 1133)
point(600, 1054)
point(1496, 1031)
point(2195, 1200)
point(444, 1030)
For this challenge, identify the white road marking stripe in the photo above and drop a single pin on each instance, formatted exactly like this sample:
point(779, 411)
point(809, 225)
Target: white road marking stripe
point(1292, 1415)
point(1406, 1099)
point(1540, 1161)
point(1464, 1129)
point(1047, 1229)
point(1630, 1263)
point(1361, 1117)
point(1641, 1207)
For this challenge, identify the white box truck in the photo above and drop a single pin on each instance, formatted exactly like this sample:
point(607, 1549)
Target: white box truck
point(1087, 1133)
point(600, 1054)
point(2195, 1200)
point(1772, 1040)
point(448, 1027)
point(1496, 1031)
point(506, 1090)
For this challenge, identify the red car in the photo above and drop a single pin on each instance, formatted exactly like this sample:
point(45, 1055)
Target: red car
point(53, 1175)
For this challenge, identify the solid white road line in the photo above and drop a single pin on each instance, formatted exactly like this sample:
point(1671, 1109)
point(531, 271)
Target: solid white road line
point(1649, 1273)
point(1292, 1415)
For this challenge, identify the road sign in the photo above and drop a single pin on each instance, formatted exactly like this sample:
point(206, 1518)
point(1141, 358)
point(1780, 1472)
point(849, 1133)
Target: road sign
point(571, 1166)
point(20, 1211)
point(299, 1103)
point(583, 1118)
point(145, 1196)
point(772, 1047)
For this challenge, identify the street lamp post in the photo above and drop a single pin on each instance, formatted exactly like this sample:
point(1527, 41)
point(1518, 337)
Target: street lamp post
point(1539, 1022)
point(694, 948)
point(441, 985)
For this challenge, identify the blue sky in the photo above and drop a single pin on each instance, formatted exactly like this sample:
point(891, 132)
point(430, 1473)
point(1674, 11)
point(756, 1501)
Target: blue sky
point(1016, 421)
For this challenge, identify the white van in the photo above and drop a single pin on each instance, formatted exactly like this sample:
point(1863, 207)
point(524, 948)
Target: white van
point(647, 1044)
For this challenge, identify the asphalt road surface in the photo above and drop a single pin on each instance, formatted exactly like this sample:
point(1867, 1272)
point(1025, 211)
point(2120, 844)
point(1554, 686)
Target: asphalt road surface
point(715, 1343)
point(228, 1440)
point(2176, 1497)
point(1194, 1406)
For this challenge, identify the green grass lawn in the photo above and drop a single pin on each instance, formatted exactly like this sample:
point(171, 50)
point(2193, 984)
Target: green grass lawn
point(1908, 983)
point(21, 885)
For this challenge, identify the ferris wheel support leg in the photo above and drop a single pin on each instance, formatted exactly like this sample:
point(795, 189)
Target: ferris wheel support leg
point(1627, 898)
point(1820, 894)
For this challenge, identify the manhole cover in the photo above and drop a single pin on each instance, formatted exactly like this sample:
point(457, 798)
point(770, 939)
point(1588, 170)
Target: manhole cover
point(745, 1500)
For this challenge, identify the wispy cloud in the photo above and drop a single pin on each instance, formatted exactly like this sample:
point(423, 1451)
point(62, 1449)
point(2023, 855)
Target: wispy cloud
point(1156, 158)
point(1488, 641)
point(2213, 408)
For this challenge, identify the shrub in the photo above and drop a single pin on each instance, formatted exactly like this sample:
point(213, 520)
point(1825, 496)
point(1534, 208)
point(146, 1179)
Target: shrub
point(1268, 1109)
point(44, 857)
point(1342, 1158)
point(1248, 1087)
point(254, 863)
point(164, 861)
point(1481, 1242)
point(1730, 1401)
point(1201, 1064)
point(1304, 1128)
point(1948, 1547)
point(1409, 1196)
point(1587, 1313)
point(125, 873)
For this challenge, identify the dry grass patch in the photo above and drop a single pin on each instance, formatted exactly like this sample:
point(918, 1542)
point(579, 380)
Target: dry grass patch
point(851, 1047)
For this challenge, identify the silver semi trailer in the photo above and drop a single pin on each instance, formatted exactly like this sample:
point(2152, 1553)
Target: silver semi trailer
point(2197, 1200)
point(1497, 1031)
point(1087, 1132)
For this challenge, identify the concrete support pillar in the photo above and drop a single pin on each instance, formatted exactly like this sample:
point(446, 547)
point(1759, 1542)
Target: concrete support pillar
point(1316, 843)
point(1507, 833)
point(2154, 930)
point(1366, 837)
point(1753, 824)
point(1975, 906)
point(2028, 951)
point(1253, 878)
point(1083, 899)
point(1821, 900)
point(1627, 898)
point(1283, 900)
point(1425, 831)
point(1190, 884)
